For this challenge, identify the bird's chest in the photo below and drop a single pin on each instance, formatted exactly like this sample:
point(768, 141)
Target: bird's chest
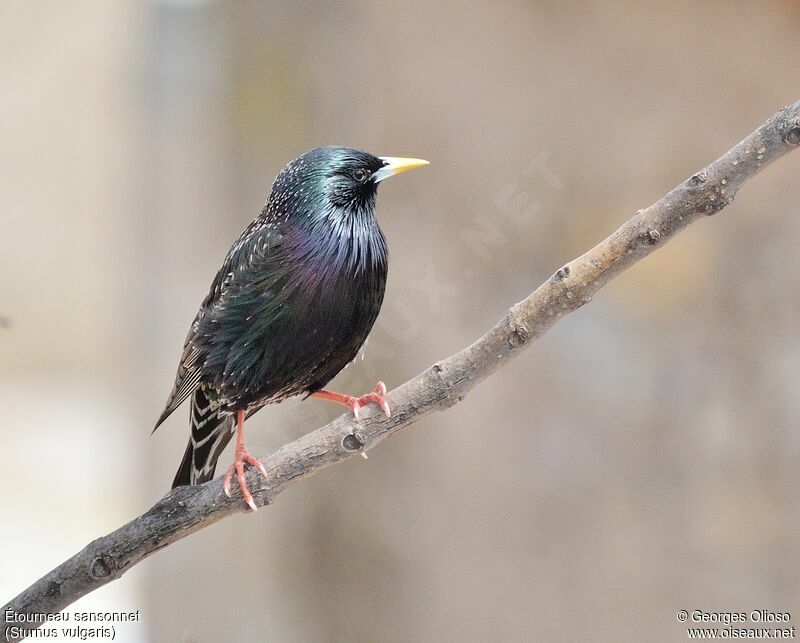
point(298, 331)
point(340, 311)
point(324, 325)
point(344, 281)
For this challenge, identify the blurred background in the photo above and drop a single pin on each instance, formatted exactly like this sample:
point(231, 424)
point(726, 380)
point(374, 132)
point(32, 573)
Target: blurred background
point(640, 459)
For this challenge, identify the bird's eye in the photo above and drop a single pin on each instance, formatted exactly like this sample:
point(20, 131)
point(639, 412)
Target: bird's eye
point(360, 175)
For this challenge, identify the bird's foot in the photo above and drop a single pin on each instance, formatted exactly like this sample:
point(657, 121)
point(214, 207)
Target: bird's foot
point(377, 396)
point(243, 456)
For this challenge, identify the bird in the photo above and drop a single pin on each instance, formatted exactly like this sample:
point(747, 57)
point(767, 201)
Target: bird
point(292, 305)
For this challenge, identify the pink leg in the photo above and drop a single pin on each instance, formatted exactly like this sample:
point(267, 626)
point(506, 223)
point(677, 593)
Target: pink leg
point(355, 403)
point(242, 457)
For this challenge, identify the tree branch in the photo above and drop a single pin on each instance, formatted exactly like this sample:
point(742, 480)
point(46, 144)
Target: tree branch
point(188, 509)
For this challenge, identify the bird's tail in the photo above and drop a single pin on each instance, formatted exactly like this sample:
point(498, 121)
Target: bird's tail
point(212, 429)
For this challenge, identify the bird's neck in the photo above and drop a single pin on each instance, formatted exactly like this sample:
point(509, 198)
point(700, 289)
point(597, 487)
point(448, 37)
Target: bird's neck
point(335, 244)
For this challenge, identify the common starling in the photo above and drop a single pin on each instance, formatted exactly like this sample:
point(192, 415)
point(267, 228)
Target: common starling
point(290, 307)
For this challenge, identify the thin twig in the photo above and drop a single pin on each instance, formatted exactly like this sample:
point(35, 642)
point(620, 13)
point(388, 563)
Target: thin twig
point(188, 509)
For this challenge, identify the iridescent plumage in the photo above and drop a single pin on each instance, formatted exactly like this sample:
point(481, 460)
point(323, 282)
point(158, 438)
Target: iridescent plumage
point(292, 303)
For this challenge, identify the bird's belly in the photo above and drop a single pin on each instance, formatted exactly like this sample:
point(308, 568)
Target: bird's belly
point(301, 349)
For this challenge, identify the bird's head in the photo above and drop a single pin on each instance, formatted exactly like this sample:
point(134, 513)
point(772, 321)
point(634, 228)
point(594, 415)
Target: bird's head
point(337, 179)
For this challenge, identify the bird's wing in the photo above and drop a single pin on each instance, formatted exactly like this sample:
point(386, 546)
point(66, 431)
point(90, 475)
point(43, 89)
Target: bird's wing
point(249, 303)
point(189, 374)
point(258, 239)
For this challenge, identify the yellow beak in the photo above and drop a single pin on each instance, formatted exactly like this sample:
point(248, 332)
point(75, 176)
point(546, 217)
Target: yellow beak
point(395, 165)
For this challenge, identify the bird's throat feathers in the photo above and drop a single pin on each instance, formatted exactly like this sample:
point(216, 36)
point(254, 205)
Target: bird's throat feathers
point(340, 242)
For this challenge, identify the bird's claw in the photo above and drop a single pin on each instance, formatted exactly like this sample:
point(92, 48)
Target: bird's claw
point(376, 395)
point(243, 457)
